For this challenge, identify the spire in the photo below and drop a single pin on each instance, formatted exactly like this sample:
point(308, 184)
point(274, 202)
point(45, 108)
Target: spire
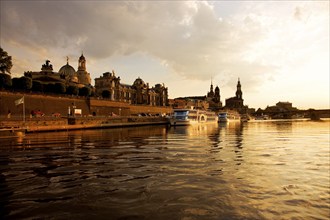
point(67, 60)
point(210, 94)
point(239, 91)
point(211, 87)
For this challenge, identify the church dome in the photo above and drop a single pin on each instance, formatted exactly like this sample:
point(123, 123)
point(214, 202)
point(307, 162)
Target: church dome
point(67, 71)
point(139, 82)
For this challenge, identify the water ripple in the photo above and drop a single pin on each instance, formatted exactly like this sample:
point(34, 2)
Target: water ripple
point(265, 170)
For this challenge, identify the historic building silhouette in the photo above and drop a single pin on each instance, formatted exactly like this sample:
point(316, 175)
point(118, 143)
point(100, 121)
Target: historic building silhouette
point(138, 93)
point(236, 102)
point(66, 74)
point(213, 98)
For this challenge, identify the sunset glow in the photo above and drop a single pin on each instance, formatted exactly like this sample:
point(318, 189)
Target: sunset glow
point(279, 50)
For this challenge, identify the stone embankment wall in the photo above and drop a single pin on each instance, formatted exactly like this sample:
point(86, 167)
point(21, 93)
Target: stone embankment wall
point(49, 104)
point(36, 124)
point(45, 103)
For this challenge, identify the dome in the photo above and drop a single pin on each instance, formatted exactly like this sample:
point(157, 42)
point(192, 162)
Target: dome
point(67, 70)
point(139, 82)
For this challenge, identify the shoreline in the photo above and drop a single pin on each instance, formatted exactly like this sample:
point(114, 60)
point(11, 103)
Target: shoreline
point(21, 128)
point(17, 128)
point(52, 128)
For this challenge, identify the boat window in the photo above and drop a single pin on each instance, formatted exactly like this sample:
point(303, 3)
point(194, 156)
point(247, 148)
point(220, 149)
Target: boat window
point(181, 113)
point(222, 115)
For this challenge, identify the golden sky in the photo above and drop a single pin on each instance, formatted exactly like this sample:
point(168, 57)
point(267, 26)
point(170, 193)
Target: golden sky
point(279, 50)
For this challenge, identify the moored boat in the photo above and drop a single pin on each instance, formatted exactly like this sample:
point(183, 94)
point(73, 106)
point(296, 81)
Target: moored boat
point(192, 116)
point(228, 116)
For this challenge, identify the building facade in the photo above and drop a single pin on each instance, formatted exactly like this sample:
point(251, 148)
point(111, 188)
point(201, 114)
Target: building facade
point(213, 98)
point(237, 102)
point(66, 74)
point(139, 93)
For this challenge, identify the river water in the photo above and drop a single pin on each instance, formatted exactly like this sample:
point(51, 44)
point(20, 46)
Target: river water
point(256, 170)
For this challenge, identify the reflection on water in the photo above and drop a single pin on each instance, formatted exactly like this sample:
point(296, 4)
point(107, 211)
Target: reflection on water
point(231, 171)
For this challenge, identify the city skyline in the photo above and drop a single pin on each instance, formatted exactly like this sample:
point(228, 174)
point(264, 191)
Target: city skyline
point(279, 50)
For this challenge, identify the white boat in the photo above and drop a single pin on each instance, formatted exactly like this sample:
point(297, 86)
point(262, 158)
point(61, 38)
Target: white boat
point(192, 116)
point(228, 116)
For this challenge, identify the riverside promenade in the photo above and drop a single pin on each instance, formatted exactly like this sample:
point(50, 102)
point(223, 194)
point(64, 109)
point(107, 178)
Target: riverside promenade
point(41, 124)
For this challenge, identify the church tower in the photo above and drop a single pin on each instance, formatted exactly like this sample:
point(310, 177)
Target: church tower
point(239, 93)
point(211, 88)
point(217, 94)
point(82, 63)
point(236, 102)
point(83, 75)
point(210, 94)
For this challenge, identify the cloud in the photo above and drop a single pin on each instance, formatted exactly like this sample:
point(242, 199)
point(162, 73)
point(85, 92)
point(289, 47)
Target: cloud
point(194, 40)
point(188, 36)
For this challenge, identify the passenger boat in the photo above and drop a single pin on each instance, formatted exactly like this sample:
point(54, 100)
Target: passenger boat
point(192, 116)
point(228, 116)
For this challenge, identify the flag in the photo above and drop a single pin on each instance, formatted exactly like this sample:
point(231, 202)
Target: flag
point(19, 101)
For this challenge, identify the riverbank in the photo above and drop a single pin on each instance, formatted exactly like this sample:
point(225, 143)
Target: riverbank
point(43, 124)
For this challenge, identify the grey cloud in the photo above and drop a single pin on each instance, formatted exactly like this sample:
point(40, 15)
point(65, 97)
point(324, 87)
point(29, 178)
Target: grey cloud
point(188, 36)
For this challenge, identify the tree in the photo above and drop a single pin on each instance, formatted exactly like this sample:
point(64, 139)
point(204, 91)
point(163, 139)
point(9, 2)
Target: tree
point(59, 88)
point(37, 86)
point(49, 88)
point(72, 90)
point(24, 83)
point(85, 91)
point(106, 94)
point(16, 83)
point(5, 62)
point(5, 81)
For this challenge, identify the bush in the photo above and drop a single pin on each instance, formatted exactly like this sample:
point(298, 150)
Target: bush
point(59, 88)
point(24, 83)
point(72, 90)
point(37, 86)
point(49, 88)
point(85, 91)
point(106, 94)
point(5, 81)
point(16, 83)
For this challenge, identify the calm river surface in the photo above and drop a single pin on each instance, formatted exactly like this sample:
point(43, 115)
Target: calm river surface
point(257, 170)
